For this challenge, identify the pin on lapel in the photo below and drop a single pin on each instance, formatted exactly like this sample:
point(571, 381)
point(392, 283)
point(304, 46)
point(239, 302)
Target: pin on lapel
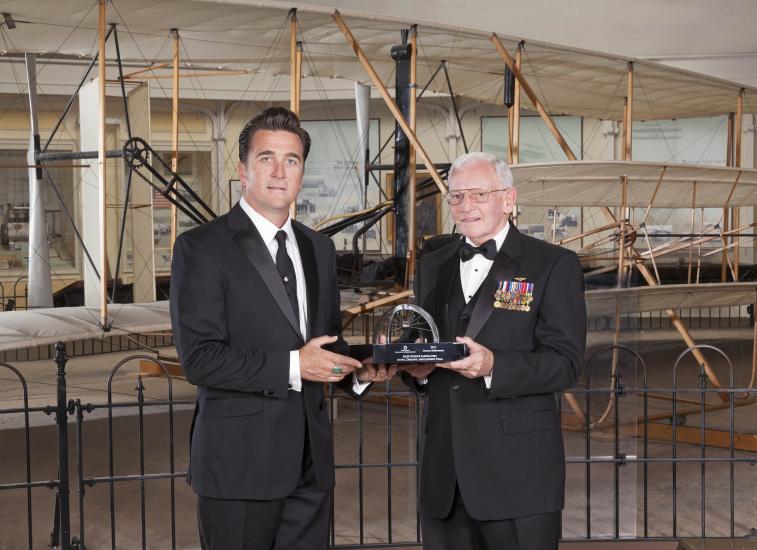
point(515, 295)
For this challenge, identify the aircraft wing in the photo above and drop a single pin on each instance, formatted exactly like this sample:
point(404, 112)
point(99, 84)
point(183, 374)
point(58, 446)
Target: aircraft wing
point(37, 327)
point(600, 183)
point(233, 40)
point(655, 298)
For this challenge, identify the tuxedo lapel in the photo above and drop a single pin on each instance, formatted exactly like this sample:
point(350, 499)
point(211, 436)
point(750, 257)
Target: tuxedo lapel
point(310, 269)
point(250, 241)
point(504, 268)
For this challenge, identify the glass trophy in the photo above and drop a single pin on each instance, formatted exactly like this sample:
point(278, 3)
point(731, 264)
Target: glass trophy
point(410, 336)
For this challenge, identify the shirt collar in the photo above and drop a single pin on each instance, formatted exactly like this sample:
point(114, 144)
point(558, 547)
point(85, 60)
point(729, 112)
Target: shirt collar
point(499, 238)
point(266, 228)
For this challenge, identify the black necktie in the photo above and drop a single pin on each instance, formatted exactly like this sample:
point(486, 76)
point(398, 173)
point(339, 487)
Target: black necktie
point(286, 270)
point(488, 250)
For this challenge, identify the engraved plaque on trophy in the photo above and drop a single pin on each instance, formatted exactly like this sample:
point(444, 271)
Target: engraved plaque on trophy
point(411, 336)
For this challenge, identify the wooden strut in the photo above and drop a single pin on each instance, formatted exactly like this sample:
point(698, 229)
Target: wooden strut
point(153, 67)
point(623, 223)
point(693, 219)
point(350, 313)
point(513, 117)
point(587, 233)
point(294, 105)
point(644, 223)
point(391, 105)
point(736, 219)
point(725, 221)
point(734, 244)
point(699, 247)
point(516, 108)
point(101, 166)
point(681, 246)
point(187, 73)
point(298, 89)
point(295, 78)
point(724, 217)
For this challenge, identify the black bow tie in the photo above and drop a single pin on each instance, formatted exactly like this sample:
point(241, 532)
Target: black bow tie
point(488, 250)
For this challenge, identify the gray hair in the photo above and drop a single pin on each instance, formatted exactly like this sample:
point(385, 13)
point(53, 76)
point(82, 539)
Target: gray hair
point(499, 165)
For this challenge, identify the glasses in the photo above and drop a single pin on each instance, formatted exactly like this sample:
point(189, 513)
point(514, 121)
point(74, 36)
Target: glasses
point(456, 198)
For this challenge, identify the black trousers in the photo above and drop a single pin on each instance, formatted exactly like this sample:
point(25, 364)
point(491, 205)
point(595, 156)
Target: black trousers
point(459, 531)
point(299, 521)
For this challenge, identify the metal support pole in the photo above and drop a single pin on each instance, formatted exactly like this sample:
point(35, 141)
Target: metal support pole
point(411, 182)
point(61, 419)
point(103, 190)
point(40, 280)
point(175, 131)
point(127, 191)
point(401, 54)
point(454, 105)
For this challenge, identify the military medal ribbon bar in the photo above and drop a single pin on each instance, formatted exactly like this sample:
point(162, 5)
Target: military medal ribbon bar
point(515, 295)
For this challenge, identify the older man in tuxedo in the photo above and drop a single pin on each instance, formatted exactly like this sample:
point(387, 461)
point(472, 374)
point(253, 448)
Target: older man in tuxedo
point(493, 465)
point(254, 307)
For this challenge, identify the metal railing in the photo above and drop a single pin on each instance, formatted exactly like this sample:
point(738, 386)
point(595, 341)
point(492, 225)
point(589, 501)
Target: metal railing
point(15, 300)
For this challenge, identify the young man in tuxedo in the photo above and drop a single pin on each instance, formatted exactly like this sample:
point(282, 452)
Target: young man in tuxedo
point(254, 307)
point(493, 465)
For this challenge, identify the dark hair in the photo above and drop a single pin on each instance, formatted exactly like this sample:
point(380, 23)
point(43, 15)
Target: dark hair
point(273, 118)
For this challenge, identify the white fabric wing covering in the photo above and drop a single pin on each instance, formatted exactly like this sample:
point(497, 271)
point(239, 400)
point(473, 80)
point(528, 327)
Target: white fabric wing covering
point(37, 327)
point(656, 298)
point(242, 35)
point(600, 183)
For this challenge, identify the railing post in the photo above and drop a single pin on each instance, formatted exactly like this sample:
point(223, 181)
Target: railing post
point(61, 419)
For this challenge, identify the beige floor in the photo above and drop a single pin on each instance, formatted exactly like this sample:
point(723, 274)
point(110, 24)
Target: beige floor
point(386, 511)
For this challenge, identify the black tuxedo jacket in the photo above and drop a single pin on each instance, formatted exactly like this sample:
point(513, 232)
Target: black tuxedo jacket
point(503, 446)
point(234, 328)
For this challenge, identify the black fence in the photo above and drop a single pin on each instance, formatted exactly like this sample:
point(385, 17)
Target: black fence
point(14, 297)
point(636, 468)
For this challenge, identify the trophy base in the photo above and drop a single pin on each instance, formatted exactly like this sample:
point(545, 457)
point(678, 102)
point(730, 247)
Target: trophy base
point(410, 353)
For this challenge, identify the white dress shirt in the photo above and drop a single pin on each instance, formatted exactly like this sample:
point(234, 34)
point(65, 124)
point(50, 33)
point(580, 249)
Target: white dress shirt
point(268, 232)
point(474, 271)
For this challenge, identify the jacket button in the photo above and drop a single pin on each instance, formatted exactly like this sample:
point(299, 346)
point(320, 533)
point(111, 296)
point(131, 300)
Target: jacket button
point(455, 387)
